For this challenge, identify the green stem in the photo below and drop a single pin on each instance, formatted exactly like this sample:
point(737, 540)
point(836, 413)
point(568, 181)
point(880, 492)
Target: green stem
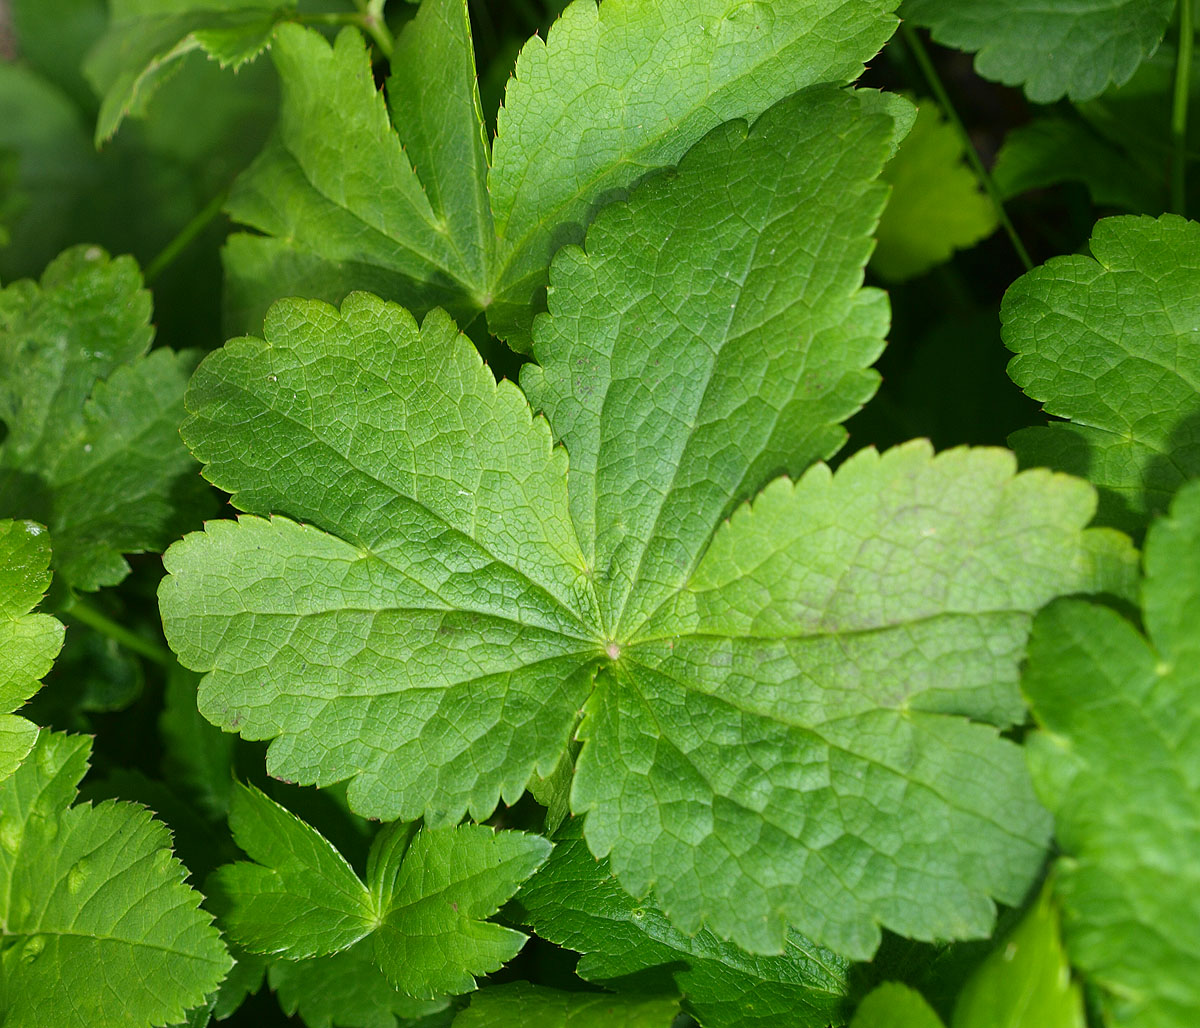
point(917, 49)
point(1179, 107)
point(189, 232)
point(370, 22)
point(85, 613)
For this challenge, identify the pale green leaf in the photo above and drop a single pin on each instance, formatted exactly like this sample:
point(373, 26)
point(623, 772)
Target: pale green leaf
point(589, 112)
point(935, 207)
point(421, 917)
point(299, 897)
point(92, 448)
point(28, 642)
point(576, 902)
point(1075, 49)
point(100, 928)
point(144, 41)
point(347, 990)
point(1118, 763)
point(502, 1006)
point(893, 1005)
point(1111, 341)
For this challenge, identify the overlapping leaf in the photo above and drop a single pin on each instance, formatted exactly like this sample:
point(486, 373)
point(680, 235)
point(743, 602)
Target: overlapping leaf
point(522, 1003)
point(1109, 341)
point(1118, 763)
point(574, 901)
point(421, 914)
point(99, 926)
point(936, 206)
point(92, 448)
point(615, 91)
point(28, 642)
point(792, 722)
point(147, 37)
point(1052, 50)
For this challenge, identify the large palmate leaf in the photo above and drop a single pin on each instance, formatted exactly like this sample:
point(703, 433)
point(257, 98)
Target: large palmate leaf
point(420, 918)
point(1075, 49)
point(1109, 341)
point(574, 901)
point(1118, 763)
point(92, 448)
point(28, 642)
point(147, 37)
point(99, 927)
point(437, 597)
point(349, 202)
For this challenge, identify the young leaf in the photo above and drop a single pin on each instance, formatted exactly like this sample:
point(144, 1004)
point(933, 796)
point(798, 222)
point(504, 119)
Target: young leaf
point(1052, 50)
point(1117, 763)
point(847, 647)
point(501, 1006)
point(575, 901)
point(573, 133)
point(1110, 342)
point(98, 461)
point(28, 642)
point(146, 38)
point(100, 927)
point(936, 206)
point(893, 1005)
point(425, 906)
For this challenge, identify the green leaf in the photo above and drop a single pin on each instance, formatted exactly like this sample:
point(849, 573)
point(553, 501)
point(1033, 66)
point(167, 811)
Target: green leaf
point(449, 597)
point(99, 926)
point(1053, 50)
point(936, 206)
point(348, 990)
point(1109, 341)
point(1056, 149)
point(893, 1005)
point(144, 41)
point(92, 448)
point(575, 901)
point(1026, 980)
point(1117, 763)
point(573, 133)
point(501, 1006)
point(28, 642)
point(197, 758)
point(424, 907)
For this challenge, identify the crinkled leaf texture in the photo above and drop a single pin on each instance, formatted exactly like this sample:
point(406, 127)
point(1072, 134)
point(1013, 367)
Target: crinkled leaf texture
point(28, 642)
point(1075, 49)
point(521, 1003)
point(423, 909)
point(1117, 761)
point(92, 449)
point(349, 199)
point(98, 925)
point(791, 717)
point(935, 207)
point(1111, 341)
point(576, 902)
point(145, 40)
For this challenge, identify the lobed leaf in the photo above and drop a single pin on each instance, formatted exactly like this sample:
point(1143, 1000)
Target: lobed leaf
point(92, 448)
point(28, 642)
point(1109, 342)
point(1052, 50)
point(100, 927)
point(1117, 763)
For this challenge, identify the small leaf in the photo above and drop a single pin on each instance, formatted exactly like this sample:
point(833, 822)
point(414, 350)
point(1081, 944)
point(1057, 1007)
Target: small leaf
point(893, 1005)
point(1076, 49)
point(501, 1006)
point(936, 206)
point(92, 448)
point(1112, 342)
point(1117, 763)
point(100, 927)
